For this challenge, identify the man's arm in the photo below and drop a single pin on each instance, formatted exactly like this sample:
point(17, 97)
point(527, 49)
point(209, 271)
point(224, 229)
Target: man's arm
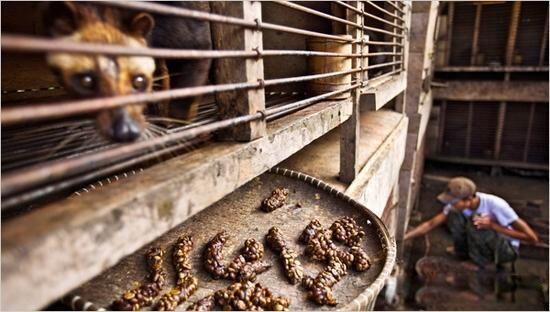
point(426, 226)
point(520, 229)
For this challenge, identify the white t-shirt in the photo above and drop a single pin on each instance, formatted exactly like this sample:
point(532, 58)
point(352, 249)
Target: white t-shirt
point(494, 207)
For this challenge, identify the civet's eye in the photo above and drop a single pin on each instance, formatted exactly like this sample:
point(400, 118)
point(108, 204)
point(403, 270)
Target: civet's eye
point(84, 82)
point(139, 82)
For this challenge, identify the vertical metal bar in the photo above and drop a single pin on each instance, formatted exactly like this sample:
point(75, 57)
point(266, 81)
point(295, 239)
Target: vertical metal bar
point(449, 32)
point(500, 128)
point(475, 37)
point(394, 40)
point(442, 112)
point(349, 130)
point(512, 32)
point(544, 40)
point(529, 131)
point(469, 129)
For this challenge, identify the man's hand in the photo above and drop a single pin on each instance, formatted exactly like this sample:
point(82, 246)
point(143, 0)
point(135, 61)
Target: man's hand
point(483, 223)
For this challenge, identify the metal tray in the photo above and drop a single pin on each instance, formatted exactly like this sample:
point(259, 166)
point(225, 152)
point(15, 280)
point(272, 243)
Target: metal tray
point(239, 214)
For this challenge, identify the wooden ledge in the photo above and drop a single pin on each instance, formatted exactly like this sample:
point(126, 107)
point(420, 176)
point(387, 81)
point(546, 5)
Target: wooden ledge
point(376, 95)
point(50, 251)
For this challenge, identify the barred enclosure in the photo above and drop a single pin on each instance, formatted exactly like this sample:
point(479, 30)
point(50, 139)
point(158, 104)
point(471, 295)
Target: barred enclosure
point(68, 192)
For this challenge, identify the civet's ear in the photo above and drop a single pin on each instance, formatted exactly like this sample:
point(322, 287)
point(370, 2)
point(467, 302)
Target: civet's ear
point(142, 24)
point(61, 18)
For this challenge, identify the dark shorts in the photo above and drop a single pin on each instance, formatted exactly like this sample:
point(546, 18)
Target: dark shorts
point(483, 247)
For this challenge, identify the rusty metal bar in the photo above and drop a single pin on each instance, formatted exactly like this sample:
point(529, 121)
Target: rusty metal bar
point(469, 125)
point(42, 111)
point(40, 174)
point(370, 81)
point(395, 6)
point(334, 18)
point(512, 32)
point(382, 65)
point(544, 41)
point(475, 37)
point(492, 69)
point(181, 12)
point(94, 175)
point(385, 11)
point(529, 132)
point(33, 44)
point(369, 15)
point(441, 130)
point(500, 129)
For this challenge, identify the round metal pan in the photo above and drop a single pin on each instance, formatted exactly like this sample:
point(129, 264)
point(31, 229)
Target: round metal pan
point(239, 214)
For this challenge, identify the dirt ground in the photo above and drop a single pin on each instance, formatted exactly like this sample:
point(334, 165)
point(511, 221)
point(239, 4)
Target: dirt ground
point(506, 184)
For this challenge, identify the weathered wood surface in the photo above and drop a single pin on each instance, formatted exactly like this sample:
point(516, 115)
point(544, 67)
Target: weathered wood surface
point(234, 70)
point(509, 91)
point(375, 97)
point(459, 69)
point(58, 247)
point(349, 130)
point(374, 183)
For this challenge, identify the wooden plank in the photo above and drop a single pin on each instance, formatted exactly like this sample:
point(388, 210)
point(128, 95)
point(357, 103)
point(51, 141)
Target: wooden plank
point(349, 130)
point(232, 70)
point(48, 252)
point(469, 69)
point(544, 42)
point(488, 162)
point(425, 111)
point(475, 37)
point(509, 91)
point(375, 97)
point(374, 182)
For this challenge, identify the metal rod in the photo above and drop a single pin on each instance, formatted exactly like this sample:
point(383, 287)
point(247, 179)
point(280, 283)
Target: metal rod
point(544, 41)
point(529, 132)
point(382, 65)
point(275, 112)
point(34, 44)
point(94, 175)
point(385, 11)
point(40, 174)
point(475, 37)
point(512, 32)
point(49, 110)
point(333, 18)
point(181, 12)
point(383, 20)
point(395, 6)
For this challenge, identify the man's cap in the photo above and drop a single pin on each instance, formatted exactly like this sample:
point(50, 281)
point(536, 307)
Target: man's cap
point(457, 188)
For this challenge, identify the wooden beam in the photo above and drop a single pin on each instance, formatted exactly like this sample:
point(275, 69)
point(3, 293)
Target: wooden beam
point(500, 128)
point(529, 131)
point(509, 91)
point(51, 250)
point(232, 70)
point(544, 41)
point(459, 69)
point(488, 162)
point(512, 32)
point(475, 37)
point(449, 32)
point(349, 130)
